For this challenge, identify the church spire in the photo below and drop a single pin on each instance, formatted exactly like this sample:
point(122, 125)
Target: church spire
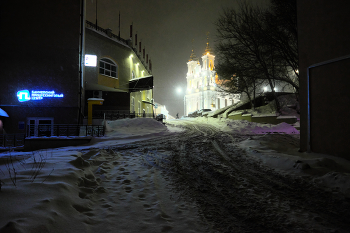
point(208, 49)
point(193, 56)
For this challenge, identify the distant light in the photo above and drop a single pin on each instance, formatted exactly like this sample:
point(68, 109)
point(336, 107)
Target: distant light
point(131, 56)
point(137, 64)
point(265, 88)
point(179, 90)
point(275, 88)
point(90, 60)
point(297, 71)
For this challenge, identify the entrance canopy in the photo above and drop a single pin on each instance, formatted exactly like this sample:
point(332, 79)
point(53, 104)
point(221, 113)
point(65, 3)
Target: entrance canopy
point(140, 84)
point(3, 113)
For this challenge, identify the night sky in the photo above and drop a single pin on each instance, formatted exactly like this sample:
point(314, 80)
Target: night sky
point(166, 29)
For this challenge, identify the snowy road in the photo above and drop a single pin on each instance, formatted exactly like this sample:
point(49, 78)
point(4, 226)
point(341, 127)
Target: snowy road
point(235, 194)
point(189, 177)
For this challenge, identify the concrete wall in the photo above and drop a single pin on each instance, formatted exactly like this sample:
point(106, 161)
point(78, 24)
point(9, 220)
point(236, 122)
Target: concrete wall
point(39, 51)
point(324, 34)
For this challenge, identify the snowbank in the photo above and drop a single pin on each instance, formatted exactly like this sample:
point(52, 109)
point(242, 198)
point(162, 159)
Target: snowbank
point(243, 127)
point(133, 127)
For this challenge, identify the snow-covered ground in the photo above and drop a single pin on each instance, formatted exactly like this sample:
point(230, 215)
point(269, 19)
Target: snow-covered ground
point(92, 187)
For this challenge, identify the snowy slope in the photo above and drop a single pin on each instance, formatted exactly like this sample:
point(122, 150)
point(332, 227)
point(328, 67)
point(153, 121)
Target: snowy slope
point(57, 190)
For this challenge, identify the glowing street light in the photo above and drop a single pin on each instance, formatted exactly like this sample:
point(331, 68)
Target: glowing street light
point(179, 90)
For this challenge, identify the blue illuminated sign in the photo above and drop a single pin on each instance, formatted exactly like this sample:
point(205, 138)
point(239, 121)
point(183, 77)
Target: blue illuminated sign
point(25, 95)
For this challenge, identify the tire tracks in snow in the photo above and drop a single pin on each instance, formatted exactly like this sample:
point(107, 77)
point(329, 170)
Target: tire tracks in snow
point(249, 196)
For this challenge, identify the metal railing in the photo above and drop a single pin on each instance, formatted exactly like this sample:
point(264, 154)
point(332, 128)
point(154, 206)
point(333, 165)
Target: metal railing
point(126, 42)
point(106, 31)
point(115, 115)
point(64, 130)
point(12, 140)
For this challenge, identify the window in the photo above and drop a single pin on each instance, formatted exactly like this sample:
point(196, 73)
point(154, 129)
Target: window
point(108, 68)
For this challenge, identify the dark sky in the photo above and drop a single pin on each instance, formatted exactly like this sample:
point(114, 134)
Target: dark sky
point(166, 28)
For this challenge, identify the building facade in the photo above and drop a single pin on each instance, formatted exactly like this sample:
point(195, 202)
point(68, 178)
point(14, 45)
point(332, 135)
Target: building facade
point(202, 90)
point(121, 76)
point(40, 63)
point(324, 60)
point(52, 64)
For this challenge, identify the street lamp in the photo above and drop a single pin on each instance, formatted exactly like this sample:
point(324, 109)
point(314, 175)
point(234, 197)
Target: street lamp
point(179, 90)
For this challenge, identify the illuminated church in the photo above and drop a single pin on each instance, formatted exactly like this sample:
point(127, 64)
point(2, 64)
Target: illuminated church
point(202, 91)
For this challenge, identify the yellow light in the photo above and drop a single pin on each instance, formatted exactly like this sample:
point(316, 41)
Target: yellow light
point(207, 53)
point(131, 56)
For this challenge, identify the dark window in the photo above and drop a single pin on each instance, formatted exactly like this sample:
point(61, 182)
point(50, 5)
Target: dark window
point(108, 68)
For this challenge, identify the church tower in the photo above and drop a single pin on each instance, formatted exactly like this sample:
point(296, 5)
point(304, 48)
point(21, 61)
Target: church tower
point(202, 91)
point(208, 58)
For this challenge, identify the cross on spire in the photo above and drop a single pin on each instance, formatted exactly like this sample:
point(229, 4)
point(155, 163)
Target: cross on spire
point(207, 49)
point(193, 56)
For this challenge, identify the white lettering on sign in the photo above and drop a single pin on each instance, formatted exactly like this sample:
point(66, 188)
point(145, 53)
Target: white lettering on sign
point(36, 95)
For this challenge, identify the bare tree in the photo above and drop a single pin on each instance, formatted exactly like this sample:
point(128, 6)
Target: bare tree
point(247, 48)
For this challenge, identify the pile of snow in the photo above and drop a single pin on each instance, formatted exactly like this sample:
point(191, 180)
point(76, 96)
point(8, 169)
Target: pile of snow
point(90, 191)
point(245, 127)
point(289, 107)
point(133, 127)
point(280, 128)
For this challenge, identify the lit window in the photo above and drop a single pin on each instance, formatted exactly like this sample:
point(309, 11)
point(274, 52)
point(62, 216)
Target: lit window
point(108, 68)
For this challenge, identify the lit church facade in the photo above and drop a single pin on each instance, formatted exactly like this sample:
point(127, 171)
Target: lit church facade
point(202, 91)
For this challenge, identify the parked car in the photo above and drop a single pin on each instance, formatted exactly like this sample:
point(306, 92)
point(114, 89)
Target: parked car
point(198, 112)
point(160, 117)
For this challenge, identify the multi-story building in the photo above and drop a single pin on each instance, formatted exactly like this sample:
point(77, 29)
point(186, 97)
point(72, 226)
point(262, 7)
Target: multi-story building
point(202, 90)
point(41, 51)
point(121, 75)
point(47, 76)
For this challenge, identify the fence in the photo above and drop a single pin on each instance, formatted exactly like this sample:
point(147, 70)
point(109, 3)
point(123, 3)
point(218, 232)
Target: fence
point(12, 140)
point(64, 130)
point(115, 115)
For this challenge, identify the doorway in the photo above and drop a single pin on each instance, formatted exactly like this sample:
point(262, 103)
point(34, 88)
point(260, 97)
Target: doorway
point(40, 126)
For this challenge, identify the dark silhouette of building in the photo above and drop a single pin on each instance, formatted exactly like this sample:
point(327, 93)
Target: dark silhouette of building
point(324, 61)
